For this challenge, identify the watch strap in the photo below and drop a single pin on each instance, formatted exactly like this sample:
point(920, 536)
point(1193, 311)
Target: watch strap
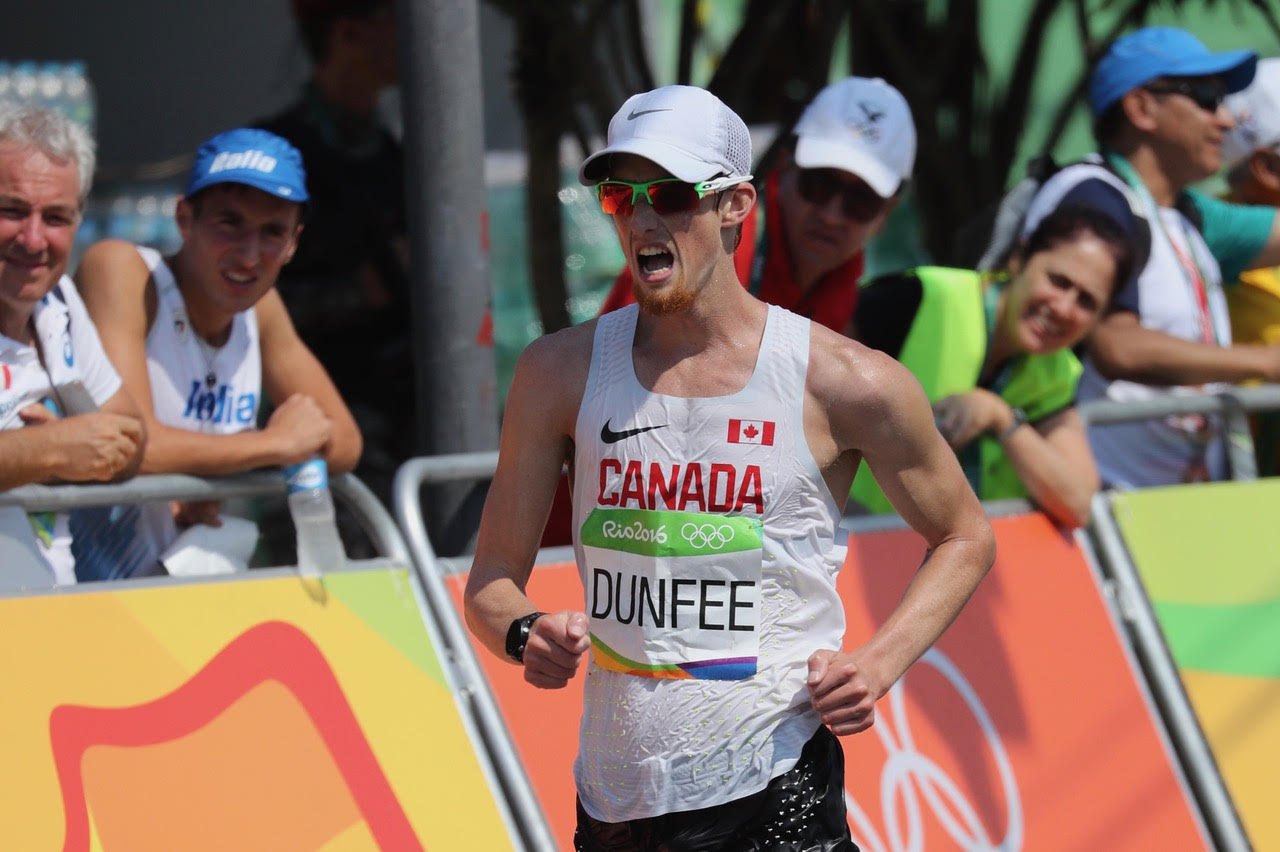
point(1019, 420)
point(518, 635)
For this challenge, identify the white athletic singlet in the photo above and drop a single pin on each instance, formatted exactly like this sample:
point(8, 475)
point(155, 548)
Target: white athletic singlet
point(180, 365)
point(706, 541)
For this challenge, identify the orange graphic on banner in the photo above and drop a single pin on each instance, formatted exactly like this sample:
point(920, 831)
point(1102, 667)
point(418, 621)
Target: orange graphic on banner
point(1024, 727)
point(259, 743)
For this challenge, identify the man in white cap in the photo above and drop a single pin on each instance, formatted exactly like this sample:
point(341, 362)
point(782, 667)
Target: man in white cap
point(1251, 153)
point(835, 185)
point(1157, 100)
point(709, 434)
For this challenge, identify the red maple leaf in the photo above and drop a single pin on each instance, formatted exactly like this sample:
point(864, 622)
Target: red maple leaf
point(751, 431)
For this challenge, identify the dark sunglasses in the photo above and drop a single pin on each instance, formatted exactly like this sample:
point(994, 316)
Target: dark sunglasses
point(665, 195)
point(1206, 93)
point(858, 202)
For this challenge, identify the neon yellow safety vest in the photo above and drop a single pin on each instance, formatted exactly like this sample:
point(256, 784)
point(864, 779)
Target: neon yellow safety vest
point(945, 349)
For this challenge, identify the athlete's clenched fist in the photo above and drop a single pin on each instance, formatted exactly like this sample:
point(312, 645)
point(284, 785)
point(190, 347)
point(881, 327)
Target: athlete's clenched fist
point(840, 692)
point(556, 644)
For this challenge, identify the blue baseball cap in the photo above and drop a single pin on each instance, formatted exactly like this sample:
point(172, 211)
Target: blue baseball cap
point(1142, 56)
point(254, 157)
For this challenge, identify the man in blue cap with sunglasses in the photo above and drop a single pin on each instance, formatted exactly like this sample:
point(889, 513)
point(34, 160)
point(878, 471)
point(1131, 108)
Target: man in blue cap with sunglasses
point(1157, 100)
point(200, 337)
point(712, 439)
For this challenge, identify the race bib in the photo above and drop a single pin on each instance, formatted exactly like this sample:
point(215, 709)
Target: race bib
point(673, 594)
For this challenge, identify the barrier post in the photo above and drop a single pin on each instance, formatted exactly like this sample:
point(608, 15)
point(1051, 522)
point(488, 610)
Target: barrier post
point(1153, 654)
point(475, 689)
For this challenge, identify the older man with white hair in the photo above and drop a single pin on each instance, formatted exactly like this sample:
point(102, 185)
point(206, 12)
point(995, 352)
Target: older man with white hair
point(64, 415)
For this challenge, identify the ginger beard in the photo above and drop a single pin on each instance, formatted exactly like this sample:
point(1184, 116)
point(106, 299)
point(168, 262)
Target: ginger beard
point(674, 300)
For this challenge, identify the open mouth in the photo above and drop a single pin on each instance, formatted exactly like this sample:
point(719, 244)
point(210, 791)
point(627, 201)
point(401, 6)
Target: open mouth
point(239, 279)
point(1045, 327)
point(653, 261)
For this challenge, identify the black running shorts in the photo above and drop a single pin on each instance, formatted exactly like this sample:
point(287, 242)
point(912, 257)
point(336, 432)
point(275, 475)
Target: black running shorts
point(800, 811)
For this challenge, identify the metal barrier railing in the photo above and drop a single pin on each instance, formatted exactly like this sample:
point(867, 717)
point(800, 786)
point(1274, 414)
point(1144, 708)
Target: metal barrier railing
point(1231, 403)
point(406, 492)
point(1163, 679)
point(354, 494)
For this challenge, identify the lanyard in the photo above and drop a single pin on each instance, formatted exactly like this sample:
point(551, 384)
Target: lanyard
point(1192, 273)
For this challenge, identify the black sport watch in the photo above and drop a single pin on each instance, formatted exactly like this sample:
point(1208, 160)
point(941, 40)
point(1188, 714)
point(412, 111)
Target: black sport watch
point(518, 635)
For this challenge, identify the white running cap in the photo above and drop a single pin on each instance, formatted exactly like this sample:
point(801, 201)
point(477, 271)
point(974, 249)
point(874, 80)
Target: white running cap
point(862, 126)
point(686, 130)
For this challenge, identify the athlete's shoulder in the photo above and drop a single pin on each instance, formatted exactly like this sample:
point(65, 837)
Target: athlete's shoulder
point(567, 343)
point(558, 358)
point(112, 263)
point(114, 281)
point(844, 375)
point(843, 365)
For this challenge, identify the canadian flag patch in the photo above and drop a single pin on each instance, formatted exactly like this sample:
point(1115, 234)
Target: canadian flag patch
point(751, 432)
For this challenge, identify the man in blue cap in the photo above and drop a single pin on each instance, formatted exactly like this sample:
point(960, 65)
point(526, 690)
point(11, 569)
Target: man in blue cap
point(1157, 101)
point(199, 337)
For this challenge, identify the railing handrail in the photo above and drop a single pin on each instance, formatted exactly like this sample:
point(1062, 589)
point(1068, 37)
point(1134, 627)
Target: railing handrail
point(406, 502)
point(1098, 412)
point(372, 516)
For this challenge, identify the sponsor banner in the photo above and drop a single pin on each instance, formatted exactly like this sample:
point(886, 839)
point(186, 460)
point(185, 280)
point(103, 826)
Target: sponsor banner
point(673, 594)
point(1025, 728)
point(234, 715)
point(1207, 556)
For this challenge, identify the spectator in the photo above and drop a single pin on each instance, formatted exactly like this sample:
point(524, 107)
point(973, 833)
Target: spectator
point(1157, 100)
point(347, 289)
point(82, 425)
point(1251, 151)
point(833, 189)
point(200, 336)
point(994, 355)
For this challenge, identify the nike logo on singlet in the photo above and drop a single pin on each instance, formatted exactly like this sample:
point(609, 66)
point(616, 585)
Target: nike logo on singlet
point(611, 437)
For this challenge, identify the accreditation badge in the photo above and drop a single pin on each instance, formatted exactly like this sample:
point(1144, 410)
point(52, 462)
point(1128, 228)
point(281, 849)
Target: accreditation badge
point(673, 594)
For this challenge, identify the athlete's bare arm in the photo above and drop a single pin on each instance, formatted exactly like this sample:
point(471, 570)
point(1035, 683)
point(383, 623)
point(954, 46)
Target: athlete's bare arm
point(537, 438)
point(116, 287)
point(862, 404)
point(292, 373)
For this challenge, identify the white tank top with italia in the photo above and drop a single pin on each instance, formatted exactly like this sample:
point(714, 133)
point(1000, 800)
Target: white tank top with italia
point(195, 386)
point(707, 545)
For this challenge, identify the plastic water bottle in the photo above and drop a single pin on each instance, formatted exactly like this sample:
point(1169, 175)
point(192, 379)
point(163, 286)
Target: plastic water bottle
point(311, 507)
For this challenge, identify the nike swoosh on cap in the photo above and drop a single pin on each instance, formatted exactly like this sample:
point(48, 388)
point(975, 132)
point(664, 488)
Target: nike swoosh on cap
point(611, 437)
point(636, 113)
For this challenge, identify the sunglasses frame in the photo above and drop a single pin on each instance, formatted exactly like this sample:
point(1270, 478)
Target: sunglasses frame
point(831, 189)
point(1193, 89)
point(701, 188)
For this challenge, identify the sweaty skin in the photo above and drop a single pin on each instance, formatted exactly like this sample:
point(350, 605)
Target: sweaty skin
point(859, 404)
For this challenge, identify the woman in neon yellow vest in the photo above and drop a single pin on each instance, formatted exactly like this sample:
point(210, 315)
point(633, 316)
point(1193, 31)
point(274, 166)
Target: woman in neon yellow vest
point(993, 352)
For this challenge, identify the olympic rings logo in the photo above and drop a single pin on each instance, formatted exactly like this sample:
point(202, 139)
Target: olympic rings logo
point(908, 775)
point(708, 536)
